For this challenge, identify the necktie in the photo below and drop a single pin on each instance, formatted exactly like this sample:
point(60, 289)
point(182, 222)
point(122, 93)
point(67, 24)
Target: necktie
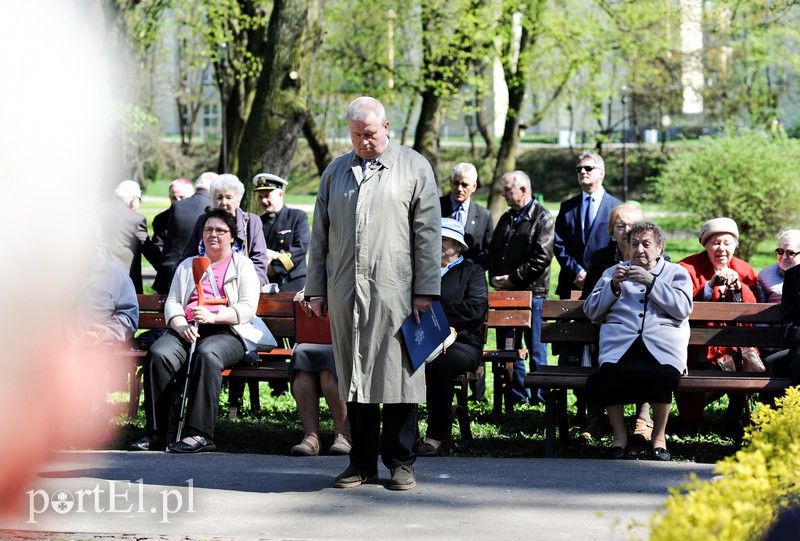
point(367, 164)
point(587, 218)
point(458, 214)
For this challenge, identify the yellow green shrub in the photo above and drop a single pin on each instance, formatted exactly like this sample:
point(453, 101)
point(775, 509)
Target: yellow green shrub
point(751, 488)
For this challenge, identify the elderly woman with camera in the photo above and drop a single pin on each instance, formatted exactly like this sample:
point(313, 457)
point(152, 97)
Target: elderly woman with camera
point(717, 275)
point(643, 305)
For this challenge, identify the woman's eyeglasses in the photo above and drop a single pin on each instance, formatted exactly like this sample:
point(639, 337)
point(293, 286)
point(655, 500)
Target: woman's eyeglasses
point(588, 168)
point(780, 251)
point(219, 232)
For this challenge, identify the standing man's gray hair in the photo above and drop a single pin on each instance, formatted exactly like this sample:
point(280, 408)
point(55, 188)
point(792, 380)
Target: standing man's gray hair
point(204, 181)
point(360, 108)
point(466, 171)
point(521, 178)
point(594, 156)
point(127, 190)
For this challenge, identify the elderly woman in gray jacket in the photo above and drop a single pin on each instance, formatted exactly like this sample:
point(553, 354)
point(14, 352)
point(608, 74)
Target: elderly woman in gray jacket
point(644, 306)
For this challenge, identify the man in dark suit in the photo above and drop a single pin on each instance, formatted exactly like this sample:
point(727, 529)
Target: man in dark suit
point(125, 231)
point(478, 228)
point(582, 224)
point(179, 189)
point(286, 232)
point(790, 319)
point(581, 228)
point(182, 216)
point(477, 220)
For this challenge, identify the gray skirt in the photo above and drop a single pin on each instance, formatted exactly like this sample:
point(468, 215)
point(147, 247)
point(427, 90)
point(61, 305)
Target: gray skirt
point(311, 358)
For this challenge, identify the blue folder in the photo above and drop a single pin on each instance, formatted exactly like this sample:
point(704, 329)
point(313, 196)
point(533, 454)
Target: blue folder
point(425, 341)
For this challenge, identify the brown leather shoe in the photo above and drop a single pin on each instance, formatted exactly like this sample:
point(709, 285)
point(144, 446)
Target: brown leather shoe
point(643, 429)
point(427, 449)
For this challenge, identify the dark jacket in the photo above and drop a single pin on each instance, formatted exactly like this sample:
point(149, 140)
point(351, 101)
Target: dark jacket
point(465, 299)
point(288, 232)
point(524, 250)
point(477, 232)
point(181, 219)
point(125, 235)
point(572, 253)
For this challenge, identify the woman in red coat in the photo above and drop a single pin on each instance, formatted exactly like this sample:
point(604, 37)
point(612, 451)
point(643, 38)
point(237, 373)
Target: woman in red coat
point(717, 276)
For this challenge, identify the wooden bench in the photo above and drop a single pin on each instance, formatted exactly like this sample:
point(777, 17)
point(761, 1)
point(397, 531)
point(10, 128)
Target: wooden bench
point(508, 311)
point(277, 311)
point(565, 323)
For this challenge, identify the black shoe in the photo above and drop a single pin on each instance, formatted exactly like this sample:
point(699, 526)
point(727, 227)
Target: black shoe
point(200, 445)
point(659, 453)
point(617, 452)
point(148, 443)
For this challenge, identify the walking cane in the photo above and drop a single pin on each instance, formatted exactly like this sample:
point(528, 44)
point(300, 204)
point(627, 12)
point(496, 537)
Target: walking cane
point(200, 265)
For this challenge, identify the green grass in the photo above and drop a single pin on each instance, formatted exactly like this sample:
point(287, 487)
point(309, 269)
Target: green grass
point(275, 428)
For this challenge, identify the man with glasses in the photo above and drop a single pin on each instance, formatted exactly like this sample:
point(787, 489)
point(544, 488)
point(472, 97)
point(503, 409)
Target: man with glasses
point(477, 220)
point(582, 224)
point(769, 284)
point(581, 228)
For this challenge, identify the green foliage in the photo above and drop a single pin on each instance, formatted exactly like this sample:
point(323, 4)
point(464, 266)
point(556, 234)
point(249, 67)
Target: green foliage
point(753, 486)
point(748, 63)
point(750, 178)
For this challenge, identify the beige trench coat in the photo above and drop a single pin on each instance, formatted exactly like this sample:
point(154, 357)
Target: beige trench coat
point(375, 243)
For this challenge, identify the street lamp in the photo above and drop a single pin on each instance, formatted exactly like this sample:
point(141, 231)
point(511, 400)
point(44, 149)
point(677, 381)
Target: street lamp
point(222, 53)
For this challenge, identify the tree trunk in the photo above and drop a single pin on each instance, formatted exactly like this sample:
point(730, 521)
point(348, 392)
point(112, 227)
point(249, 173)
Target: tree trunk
point(507, 153)
point(483, 128)
point(426, 139)
point(279, 106)
point(319, 146)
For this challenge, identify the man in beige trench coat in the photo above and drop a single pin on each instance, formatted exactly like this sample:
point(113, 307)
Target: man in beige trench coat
point(374, 260)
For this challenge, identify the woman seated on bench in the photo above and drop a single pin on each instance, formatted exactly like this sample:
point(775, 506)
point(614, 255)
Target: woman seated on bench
point(216, 333)
point(717, 276)
point(465, 299)
point(312, 373)
point(644, 306)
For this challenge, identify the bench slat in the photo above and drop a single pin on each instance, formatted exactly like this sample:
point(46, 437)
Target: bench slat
point(504, 300)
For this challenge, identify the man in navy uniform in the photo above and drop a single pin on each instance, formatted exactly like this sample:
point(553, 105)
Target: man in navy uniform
point(286, 231)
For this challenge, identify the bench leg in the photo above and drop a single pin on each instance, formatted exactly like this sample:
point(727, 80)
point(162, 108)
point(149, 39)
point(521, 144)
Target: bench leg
point(563, 420)
point(498, 369)
point(135, 389)
point(550, 425)
point(461, 409)
point(235, 394)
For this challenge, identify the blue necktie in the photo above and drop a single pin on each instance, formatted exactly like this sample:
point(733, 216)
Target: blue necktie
point(367, 164)
point(588, 218)
point(458, 214)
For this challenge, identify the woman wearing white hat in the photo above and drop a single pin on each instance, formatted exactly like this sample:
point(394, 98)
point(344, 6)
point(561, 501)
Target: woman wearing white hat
point(717, 276)
point(465, 299)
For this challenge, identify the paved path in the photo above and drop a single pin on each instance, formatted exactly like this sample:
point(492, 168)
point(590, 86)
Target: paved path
point(260, 497)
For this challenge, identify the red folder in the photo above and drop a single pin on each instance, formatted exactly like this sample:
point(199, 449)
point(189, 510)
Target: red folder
point(311, 330)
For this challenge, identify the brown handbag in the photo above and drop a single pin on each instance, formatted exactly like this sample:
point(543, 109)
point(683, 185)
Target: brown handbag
point(745, 359)
point(751, 360)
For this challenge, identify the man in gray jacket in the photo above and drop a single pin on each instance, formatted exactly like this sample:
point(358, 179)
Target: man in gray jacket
point(375, 260)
